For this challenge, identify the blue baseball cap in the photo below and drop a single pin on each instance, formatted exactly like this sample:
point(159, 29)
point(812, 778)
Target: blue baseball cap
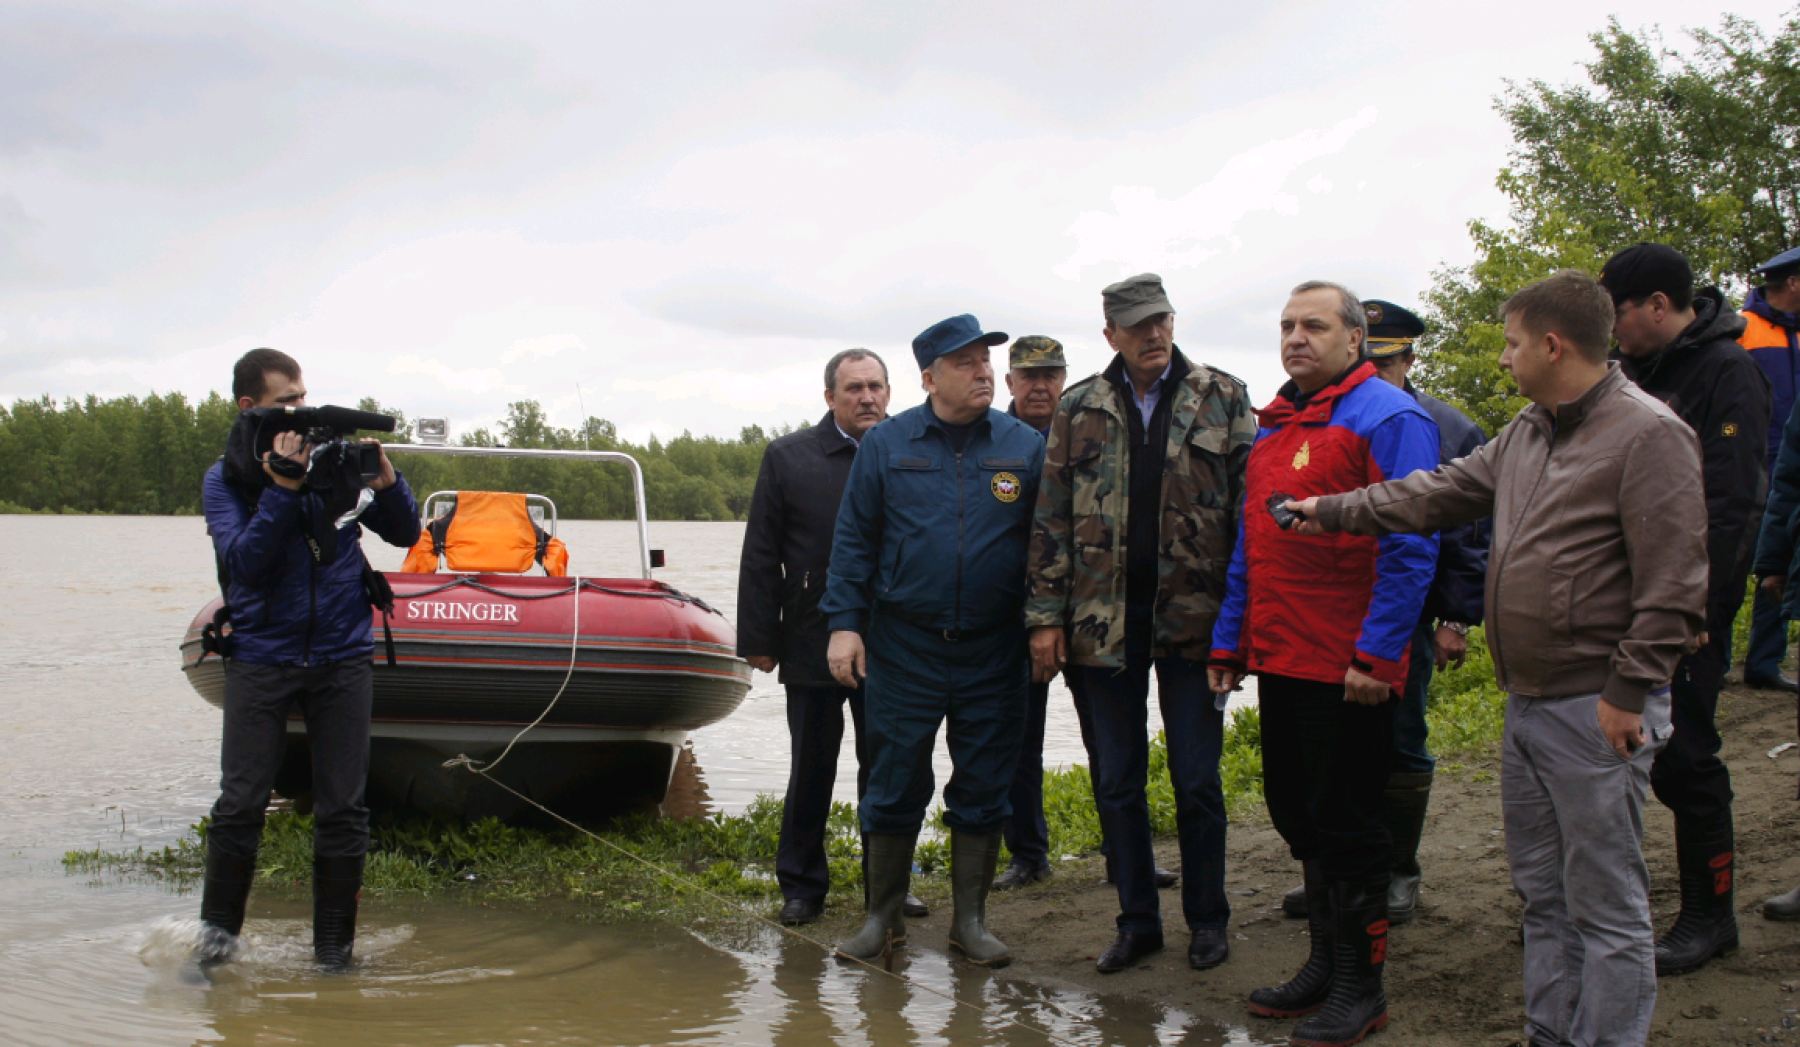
point(947, 336)
point(1781, 261)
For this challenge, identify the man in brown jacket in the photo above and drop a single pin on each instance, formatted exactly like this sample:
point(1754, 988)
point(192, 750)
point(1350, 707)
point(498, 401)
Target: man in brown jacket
point(1596, 586)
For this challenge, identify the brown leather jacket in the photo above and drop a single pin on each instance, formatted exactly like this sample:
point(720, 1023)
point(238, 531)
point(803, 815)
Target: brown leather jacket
point(1598, 570)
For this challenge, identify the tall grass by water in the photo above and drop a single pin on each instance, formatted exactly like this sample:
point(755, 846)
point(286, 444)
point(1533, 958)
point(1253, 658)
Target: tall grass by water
point(732, 855)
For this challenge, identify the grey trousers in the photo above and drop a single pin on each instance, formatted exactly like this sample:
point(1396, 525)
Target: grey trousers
point(1574, 812)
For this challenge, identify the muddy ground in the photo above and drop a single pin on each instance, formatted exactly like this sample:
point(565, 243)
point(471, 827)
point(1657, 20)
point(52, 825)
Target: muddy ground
point(1453, 975)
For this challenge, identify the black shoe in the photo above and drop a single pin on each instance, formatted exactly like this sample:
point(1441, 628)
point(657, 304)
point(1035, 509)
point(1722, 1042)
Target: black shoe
point(1208, 949)
point(1707, 926)
point(1783, 906)
point(1166, 879)
point(914, 909)
point(1127, 949)
point(1777, 682)
point(1019, 875)
point(336, 883)
point(797, 911)
point(1294, 902)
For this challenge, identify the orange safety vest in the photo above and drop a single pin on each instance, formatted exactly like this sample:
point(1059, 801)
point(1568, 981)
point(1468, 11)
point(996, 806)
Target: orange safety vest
point(487, 532)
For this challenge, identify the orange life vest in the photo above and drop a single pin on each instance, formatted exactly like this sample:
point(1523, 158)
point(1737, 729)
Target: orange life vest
point(487, 532)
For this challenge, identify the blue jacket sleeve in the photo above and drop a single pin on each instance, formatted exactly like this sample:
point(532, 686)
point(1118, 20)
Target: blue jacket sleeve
point(1460, 587)
point(394, 516)
point(249, 539)
point(1228, 629)
point(856, 544)
point(1775, 546)
point(1405, 563)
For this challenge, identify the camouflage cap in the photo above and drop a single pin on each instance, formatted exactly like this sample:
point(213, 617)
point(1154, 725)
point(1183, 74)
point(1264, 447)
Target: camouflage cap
point(1134, 300)
point(1036, 350)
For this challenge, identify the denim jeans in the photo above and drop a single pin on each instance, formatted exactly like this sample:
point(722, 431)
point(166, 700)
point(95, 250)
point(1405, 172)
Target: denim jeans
point(1118, 711)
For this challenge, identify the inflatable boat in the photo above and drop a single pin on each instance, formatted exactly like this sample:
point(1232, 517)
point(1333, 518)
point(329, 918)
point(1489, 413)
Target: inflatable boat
point(614, 672)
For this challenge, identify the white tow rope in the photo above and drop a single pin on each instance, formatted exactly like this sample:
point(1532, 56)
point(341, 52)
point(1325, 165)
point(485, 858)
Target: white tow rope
point(464, 760)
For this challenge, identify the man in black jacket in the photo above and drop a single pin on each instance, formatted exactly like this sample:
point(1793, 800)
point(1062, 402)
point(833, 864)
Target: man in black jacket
point(1682, 347)
point(787, 549)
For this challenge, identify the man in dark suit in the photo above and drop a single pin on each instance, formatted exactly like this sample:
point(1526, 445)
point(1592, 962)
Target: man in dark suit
point(781, 575)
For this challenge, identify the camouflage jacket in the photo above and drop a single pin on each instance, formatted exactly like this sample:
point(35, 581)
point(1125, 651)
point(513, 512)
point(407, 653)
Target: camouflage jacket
point(1077, 566)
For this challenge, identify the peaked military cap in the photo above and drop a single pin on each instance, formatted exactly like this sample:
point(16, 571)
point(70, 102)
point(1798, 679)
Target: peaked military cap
point(1134, 300)
point(1036, 350)
point(1392, 329)
point(1783, 260)
point(947, 336)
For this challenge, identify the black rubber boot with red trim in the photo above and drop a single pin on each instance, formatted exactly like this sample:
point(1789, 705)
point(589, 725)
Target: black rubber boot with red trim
point(1305, 992)
point(1355, 1006)
point(1707, 926)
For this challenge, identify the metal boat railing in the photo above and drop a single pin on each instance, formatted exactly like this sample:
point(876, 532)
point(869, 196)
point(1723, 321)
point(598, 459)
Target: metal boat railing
point(637, 476)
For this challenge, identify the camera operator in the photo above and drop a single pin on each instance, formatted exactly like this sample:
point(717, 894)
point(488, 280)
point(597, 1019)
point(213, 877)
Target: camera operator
point(301, 635)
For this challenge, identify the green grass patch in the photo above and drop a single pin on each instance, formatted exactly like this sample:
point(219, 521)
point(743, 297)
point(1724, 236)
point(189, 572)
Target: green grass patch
point(733, 855)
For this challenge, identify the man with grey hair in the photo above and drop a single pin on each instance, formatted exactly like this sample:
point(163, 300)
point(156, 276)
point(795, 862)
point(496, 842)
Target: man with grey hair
point(1327, 625)
point(781, 576)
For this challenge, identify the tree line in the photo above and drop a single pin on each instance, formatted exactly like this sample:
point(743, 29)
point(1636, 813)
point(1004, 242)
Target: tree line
point(146, 455)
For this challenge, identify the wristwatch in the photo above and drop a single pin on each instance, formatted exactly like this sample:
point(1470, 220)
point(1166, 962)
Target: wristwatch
point(1459, 628)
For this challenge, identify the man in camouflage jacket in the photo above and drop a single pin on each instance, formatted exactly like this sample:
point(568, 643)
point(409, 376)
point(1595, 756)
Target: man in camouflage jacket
point(1136, 520)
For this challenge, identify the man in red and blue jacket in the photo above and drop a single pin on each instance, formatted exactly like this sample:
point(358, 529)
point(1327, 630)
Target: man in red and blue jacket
point(1326, 623)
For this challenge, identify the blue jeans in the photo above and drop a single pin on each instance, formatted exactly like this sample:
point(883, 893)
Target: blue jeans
point(1027, 835)
point(1410, 733)
point(1118, 711)
point(1768, 636)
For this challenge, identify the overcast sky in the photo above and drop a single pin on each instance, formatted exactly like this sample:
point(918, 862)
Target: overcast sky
point(683, 209)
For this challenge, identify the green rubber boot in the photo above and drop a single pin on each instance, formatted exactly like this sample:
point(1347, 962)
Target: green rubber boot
point(888, 861)
point(972, 861)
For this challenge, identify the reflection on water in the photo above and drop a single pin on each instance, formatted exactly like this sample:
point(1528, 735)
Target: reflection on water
point(107, 746)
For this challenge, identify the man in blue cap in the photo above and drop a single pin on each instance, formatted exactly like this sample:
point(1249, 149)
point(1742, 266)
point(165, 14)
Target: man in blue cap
point(1772, 337)
point(925, 600)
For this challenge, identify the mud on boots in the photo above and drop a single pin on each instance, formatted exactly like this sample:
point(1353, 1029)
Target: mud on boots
point(1305, 992)
point(1355, 1006)
point(888, 860)
point(973, 857)
point(1707, 926)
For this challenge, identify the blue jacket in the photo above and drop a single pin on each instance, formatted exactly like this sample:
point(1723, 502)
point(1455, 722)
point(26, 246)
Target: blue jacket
point(933, 536)
point(1778, 546)
point(1772, 338)
point(285, 609)
point(1459, 587)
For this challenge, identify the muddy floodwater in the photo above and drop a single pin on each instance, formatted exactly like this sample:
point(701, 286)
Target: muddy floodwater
point(106, 745)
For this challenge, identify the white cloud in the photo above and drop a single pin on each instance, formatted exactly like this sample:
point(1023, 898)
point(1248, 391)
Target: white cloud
point(474, 380)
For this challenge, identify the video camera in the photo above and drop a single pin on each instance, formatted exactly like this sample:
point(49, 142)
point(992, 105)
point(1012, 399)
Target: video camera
point(334, 462)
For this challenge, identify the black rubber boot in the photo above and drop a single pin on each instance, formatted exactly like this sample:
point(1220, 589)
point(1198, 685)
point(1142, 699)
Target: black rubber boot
point(1305, 992)
point(972, 861)
point(1707, 926)
point(223, 898)
point(1783, 906)
point(1355, 1006)
point(336, 883)
point(888, 859)
point(1294, 902)
point(1403, 812)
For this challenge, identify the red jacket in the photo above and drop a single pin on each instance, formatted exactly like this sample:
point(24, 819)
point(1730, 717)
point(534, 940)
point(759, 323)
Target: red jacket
point(1311, 607)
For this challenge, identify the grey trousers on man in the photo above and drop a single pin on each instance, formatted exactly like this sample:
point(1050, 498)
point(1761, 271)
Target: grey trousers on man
point(1574, 813)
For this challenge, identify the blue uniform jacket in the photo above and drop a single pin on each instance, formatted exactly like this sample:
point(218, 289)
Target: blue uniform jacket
point(285, 609)
point(1459, 588)
point(936, 537)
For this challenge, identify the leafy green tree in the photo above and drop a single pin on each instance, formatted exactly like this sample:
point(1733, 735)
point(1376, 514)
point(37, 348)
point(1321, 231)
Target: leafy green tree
point(1699, 150)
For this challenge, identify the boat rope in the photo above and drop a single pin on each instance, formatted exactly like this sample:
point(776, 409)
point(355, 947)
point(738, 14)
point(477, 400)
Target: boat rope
point(882, 969)
point(463, 759)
